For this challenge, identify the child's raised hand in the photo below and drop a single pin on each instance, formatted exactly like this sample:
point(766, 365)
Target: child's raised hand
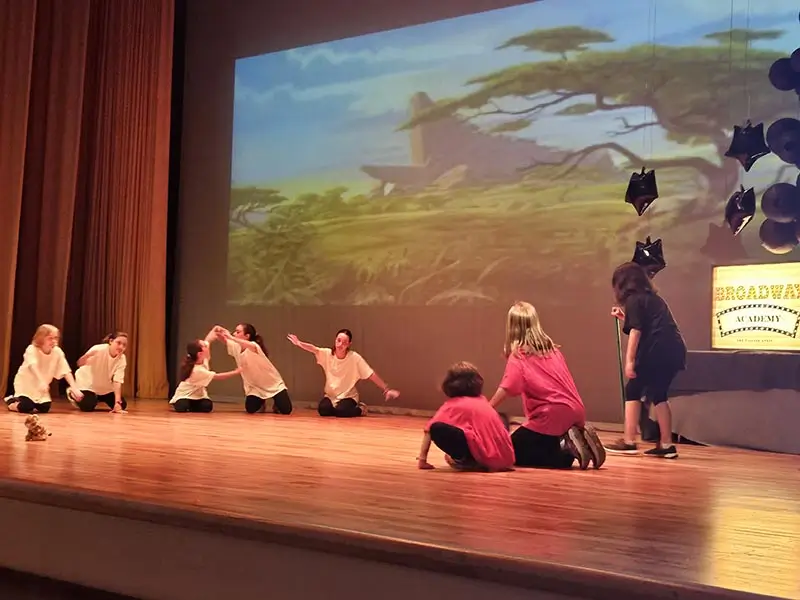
point(390, 395)
point(617, 312)
point(293, 339)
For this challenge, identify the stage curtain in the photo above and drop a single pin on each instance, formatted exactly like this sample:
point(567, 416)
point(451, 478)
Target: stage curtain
point(90, 109)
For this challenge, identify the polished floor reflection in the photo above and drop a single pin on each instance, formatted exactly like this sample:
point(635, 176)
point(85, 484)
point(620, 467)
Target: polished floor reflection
point(728, 518)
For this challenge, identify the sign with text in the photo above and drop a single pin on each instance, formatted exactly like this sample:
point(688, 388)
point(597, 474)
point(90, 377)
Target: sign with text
point(756, 307)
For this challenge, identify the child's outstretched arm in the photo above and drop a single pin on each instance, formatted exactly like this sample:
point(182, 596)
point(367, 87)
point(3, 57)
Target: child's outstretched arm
point(302, 345)
point(226, 375)
point(388, 393)
point(499, 397)
point(244, 344)
point(422, 459)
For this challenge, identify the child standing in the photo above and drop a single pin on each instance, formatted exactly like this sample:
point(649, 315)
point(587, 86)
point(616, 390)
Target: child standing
point(101, 373)
point(555, 432)
point(466, 428)
point(43, 362)
point(655, 354)
point(191, 394)
point(261, 379)
point(344, 368)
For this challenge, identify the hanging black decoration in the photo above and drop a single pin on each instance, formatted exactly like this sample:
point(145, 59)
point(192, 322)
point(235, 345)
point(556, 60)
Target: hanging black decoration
point(748, 144)
point(650, 256)
point(781, 202)
point(642, 190)
point(778, 238)
point(783, 138)
point(740, 209)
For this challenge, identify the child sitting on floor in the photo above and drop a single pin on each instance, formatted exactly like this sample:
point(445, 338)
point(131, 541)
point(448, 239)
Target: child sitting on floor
point(466, 427)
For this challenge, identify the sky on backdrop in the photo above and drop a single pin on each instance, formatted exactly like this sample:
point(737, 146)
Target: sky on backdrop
point(332, 107)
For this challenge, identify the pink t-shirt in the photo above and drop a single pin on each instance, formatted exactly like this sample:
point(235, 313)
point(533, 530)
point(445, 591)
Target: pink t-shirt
point(487, 437)
point(549, 396)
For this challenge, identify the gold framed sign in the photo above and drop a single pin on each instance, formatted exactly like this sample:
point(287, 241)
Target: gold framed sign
point(756, 307)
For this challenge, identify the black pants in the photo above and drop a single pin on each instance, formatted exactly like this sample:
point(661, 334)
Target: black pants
point(184, 405)
point(281, 403)
point(27, 406)
point(538, 450)
point(91, 400)
point(452, 441)
point(346, 408)
point(652, 382)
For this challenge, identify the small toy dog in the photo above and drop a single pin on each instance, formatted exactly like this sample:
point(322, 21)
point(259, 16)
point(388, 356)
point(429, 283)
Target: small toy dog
point(36, 431)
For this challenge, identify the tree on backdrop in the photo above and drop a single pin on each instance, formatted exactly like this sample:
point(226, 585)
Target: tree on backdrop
point(694, 93)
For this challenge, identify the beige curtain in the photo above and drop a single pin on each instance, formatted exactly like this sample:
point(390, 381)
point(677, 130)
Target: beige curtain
point(83, 177)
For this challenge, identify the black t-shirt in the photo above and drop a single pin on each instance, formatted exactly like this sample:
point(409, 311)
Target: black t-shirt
point(661, 341)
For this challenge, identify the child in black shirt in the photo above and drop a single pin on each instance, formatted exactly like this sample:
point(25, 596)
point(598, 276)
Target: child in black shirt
point(656, 353)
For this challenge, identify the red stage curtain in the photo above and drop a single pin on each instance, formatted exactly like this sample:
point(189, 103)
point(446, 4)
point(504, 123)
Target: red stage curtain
point(84, 128)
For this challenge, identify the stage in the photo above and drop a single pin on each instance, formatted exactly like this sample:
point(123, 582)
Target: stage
point(158, 505)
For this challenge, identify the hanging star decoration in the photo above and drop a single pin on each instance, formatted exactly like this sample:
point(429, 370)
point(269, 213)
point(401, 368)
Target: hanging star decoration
point(642, 190)
point(740, 209)
point(748, 144)
point(650, 256)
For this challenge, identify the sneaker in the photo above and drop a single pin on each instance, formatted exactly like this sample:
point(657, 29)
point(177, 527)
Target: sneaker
point(596, 448)
point(622, 447)
point(363, 408)
point(71, 399)
point(660, 452)
point(576, 445)
point(11, 403)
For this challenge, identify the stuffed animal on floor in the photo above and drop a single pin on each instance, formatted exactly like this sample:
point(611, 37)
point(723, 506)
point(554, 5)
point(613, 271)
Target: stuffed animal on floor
point(36, 431)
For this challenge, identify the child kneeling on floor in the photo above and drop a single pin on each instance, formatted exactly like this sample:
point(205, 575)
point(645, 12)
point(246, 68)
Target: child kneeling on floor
point(466, 428)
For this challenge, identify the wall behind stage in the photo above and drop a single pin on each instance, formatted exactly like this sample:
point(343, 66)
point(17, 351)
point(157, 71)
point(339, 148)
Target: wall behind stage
point(550, 237)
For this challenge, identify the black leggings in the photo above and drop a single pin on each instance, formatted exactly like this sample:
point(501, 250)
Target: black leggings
point(452, 441)
point(538, 450)
point(27, 406)
point(346, 408)
point(281, 403)
point(184, 405)
point(91, 400)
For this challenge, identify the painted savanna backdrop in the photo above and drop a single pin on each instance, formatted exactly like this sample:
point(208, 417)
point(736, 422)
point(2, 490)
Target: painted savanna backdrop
point(483, 159)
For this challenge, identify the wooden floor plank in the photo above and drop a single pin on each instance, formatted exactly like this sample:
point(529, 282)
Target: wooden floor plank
point(721, 517)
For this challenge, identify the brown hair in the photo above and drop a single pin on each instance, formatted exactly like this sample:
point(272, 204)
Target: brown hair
point(112, 336)
point(250, 331)
point(462, 379)
point(628, 279)
point(193, 350)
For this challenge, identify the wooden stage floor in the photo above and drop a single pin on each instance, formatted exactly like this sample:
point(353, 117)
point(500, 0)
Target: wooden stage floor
point(720, 517)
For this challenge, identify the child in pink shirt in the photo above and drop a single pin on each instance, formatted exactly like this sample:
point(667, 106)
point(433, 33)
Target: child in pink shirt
point(466, 428)
point(555, 432)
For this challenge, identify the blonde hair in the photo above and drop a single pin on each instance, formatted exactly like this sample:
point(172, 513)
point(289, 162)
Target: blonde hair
point(42, 332)
point(524, 333)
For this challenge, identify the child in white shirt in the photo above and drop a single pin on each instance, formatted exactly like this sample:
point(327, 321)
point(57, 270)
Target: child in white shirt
point(43, 362)
point(101, 373)
point(191, 394)
point(344, 368)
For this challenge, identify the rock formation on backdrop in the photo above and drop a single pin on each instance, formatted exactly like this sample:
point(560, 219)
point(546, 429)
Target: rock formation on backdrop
point(451, 152)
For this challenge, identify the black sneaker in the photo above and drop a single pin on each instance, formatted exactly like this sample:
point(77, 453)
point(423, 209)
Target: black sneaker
point(576, 445)
point(595, 446)
point(660, 452)
point(622, 447)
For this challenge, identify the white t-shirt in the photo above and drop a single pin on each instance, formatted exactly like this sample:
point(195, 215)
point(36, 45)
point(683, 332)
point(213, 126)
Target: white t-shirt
point(194, 388)
point(342, 375)
point(101, 371)
point(50, 366)
point(259, 375)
